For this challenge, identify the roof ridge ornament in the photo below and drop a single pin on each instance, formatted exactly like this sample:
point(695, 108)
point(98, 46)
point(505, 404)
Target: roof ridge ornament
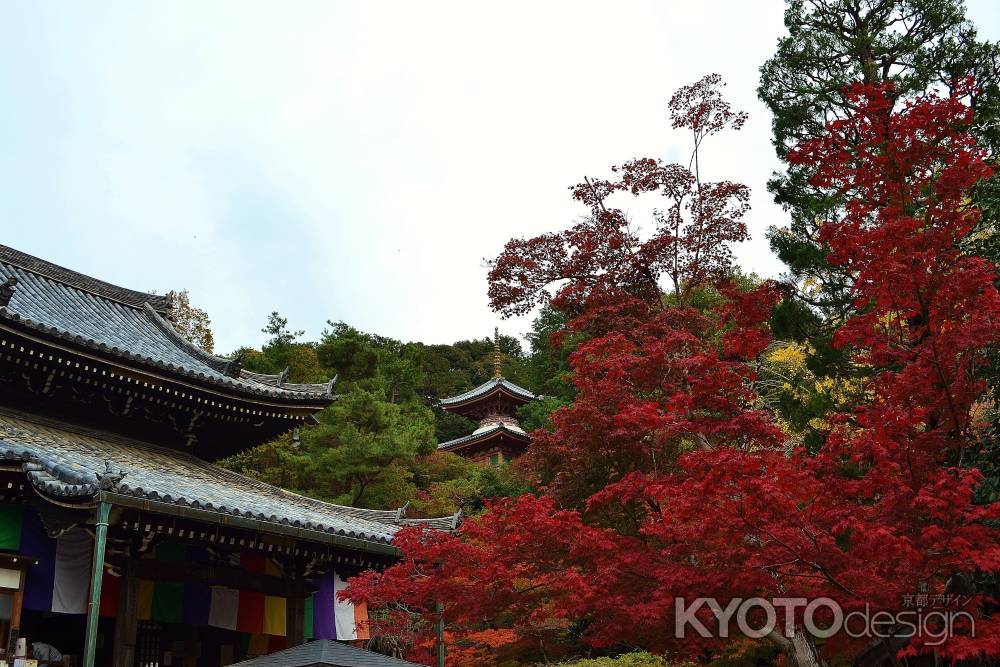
point(170, 314)
point(109, 479)
point(235, 365)
point(7, 291)
point(496, 354)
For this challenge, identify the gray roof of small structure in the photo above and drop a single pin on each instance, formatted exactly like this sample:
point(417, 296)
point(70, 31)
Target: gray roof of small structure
point(124, 324)
point(63, 462)
point(325, 652)
point(485, 388)
point(484, 434)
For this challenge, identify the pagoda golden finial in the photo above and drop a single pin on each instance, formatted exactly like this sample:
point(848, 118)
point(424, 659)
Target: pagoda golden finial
point(496, 352)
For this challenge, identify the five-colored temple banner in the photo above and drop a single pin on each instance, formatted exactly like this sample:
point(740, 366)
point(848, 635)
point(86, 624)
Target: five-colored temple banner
point(275, 615)
point(39, 581)
point(60, 582)
point(11, 520)
point(324, 626)
point(71, 583)
point(109, 595)
point(351, 622)
point(197, 603)
point(147, 589)
point(250, 616)
point(225, 606)
point(307, 616)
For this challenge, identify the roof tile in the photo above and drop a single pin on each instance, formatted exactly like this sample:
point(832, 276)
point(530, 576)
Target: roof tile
point(63, 461)
point(126, 324)
point(486, 388)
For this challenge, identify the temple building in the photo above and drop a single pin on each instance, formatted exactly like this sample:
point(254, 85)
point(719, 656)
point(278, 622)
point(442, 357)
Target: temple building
point(120, 542)
point(499, 437)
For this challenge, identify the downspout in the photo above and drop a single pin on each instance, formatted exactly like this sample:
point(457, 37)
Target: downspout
point(96, 575)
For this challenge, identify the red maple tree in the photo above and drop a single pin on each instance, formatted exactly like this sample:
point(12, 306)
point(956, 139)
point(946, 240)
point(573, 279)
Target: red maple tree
point(884, 512)
point(664, 481)
point(656, 376)
point(603, 259)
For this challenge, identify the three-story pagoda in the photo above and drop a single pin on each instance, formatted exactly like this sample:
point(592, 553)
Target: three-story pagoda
point(494, 404)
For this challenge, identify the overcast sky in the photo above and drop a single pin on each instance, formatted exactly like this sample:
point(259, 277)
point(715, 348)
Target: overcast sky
point(351, 161)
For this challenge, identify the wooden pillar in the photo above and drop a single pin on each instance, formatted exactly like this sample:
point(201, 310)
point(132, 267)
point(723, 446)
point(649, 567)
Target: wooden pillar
point(192, 648)
point(15, 617)
point(295, 608)
point(126, 621)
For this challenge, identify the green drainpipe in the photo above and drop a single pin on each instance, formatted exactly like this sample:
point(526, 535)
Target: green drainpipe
point(94, 606)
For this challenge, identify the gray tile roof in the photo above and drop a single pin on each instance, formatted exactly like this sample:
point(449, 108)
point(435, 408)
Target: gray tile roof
point(484, 434)
point(126, 324)
point(94, 286)
point(325, 652)
point(63, 461)
point(486, 388)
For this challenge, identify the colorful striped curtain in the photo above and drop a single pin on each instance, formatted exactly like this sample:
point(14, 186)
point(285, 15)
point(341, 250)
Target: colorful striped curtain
point(333, 618)
point(60, 582)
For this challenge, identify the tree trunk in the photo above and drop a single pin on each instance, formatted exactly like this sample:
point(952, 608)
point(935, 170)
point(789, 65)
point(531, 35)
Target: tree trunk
point(803, 652)
point(800, 649)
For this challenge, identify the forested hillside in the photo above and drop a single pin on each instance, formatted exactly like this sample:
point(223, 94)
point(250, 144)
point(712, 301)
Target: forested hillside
point(376, 445)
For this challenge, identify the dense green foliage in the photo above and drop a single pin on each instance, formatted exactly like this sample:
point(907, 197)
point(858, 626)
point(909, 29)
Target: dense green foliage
point(638, 659)
point(376, 445)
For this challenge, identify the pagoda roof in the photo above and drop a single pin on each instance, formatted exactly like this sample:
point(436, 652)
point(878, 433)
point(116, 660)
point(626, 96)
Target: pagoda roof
point(65, 463)
point(482, 435)
point(488, 389)
point(128, 326)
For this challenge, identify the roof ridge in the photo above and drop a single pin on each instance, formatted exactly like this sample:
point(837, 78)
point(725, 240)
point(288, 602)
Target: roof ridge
point(485, 387)
point(83, 282)
point(476, 435)
point(141, 335)
point(220, 364)
point(280, 380)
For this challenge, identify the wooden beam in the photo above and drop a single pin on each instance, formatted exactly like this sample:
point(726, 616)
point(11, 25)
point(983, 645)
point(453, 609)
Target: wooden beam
point(295, 609)
point(126, 621)
point(15, 616)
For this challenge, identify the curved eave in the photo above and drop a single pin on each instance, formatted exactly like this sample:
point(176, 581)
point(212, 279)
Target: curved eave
point(486, 395)
point(477, 439)
point(252, 524)
point(75, 490)
point(488, 389)
point(64, 464)
point(53, 336)
point(70, 481)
